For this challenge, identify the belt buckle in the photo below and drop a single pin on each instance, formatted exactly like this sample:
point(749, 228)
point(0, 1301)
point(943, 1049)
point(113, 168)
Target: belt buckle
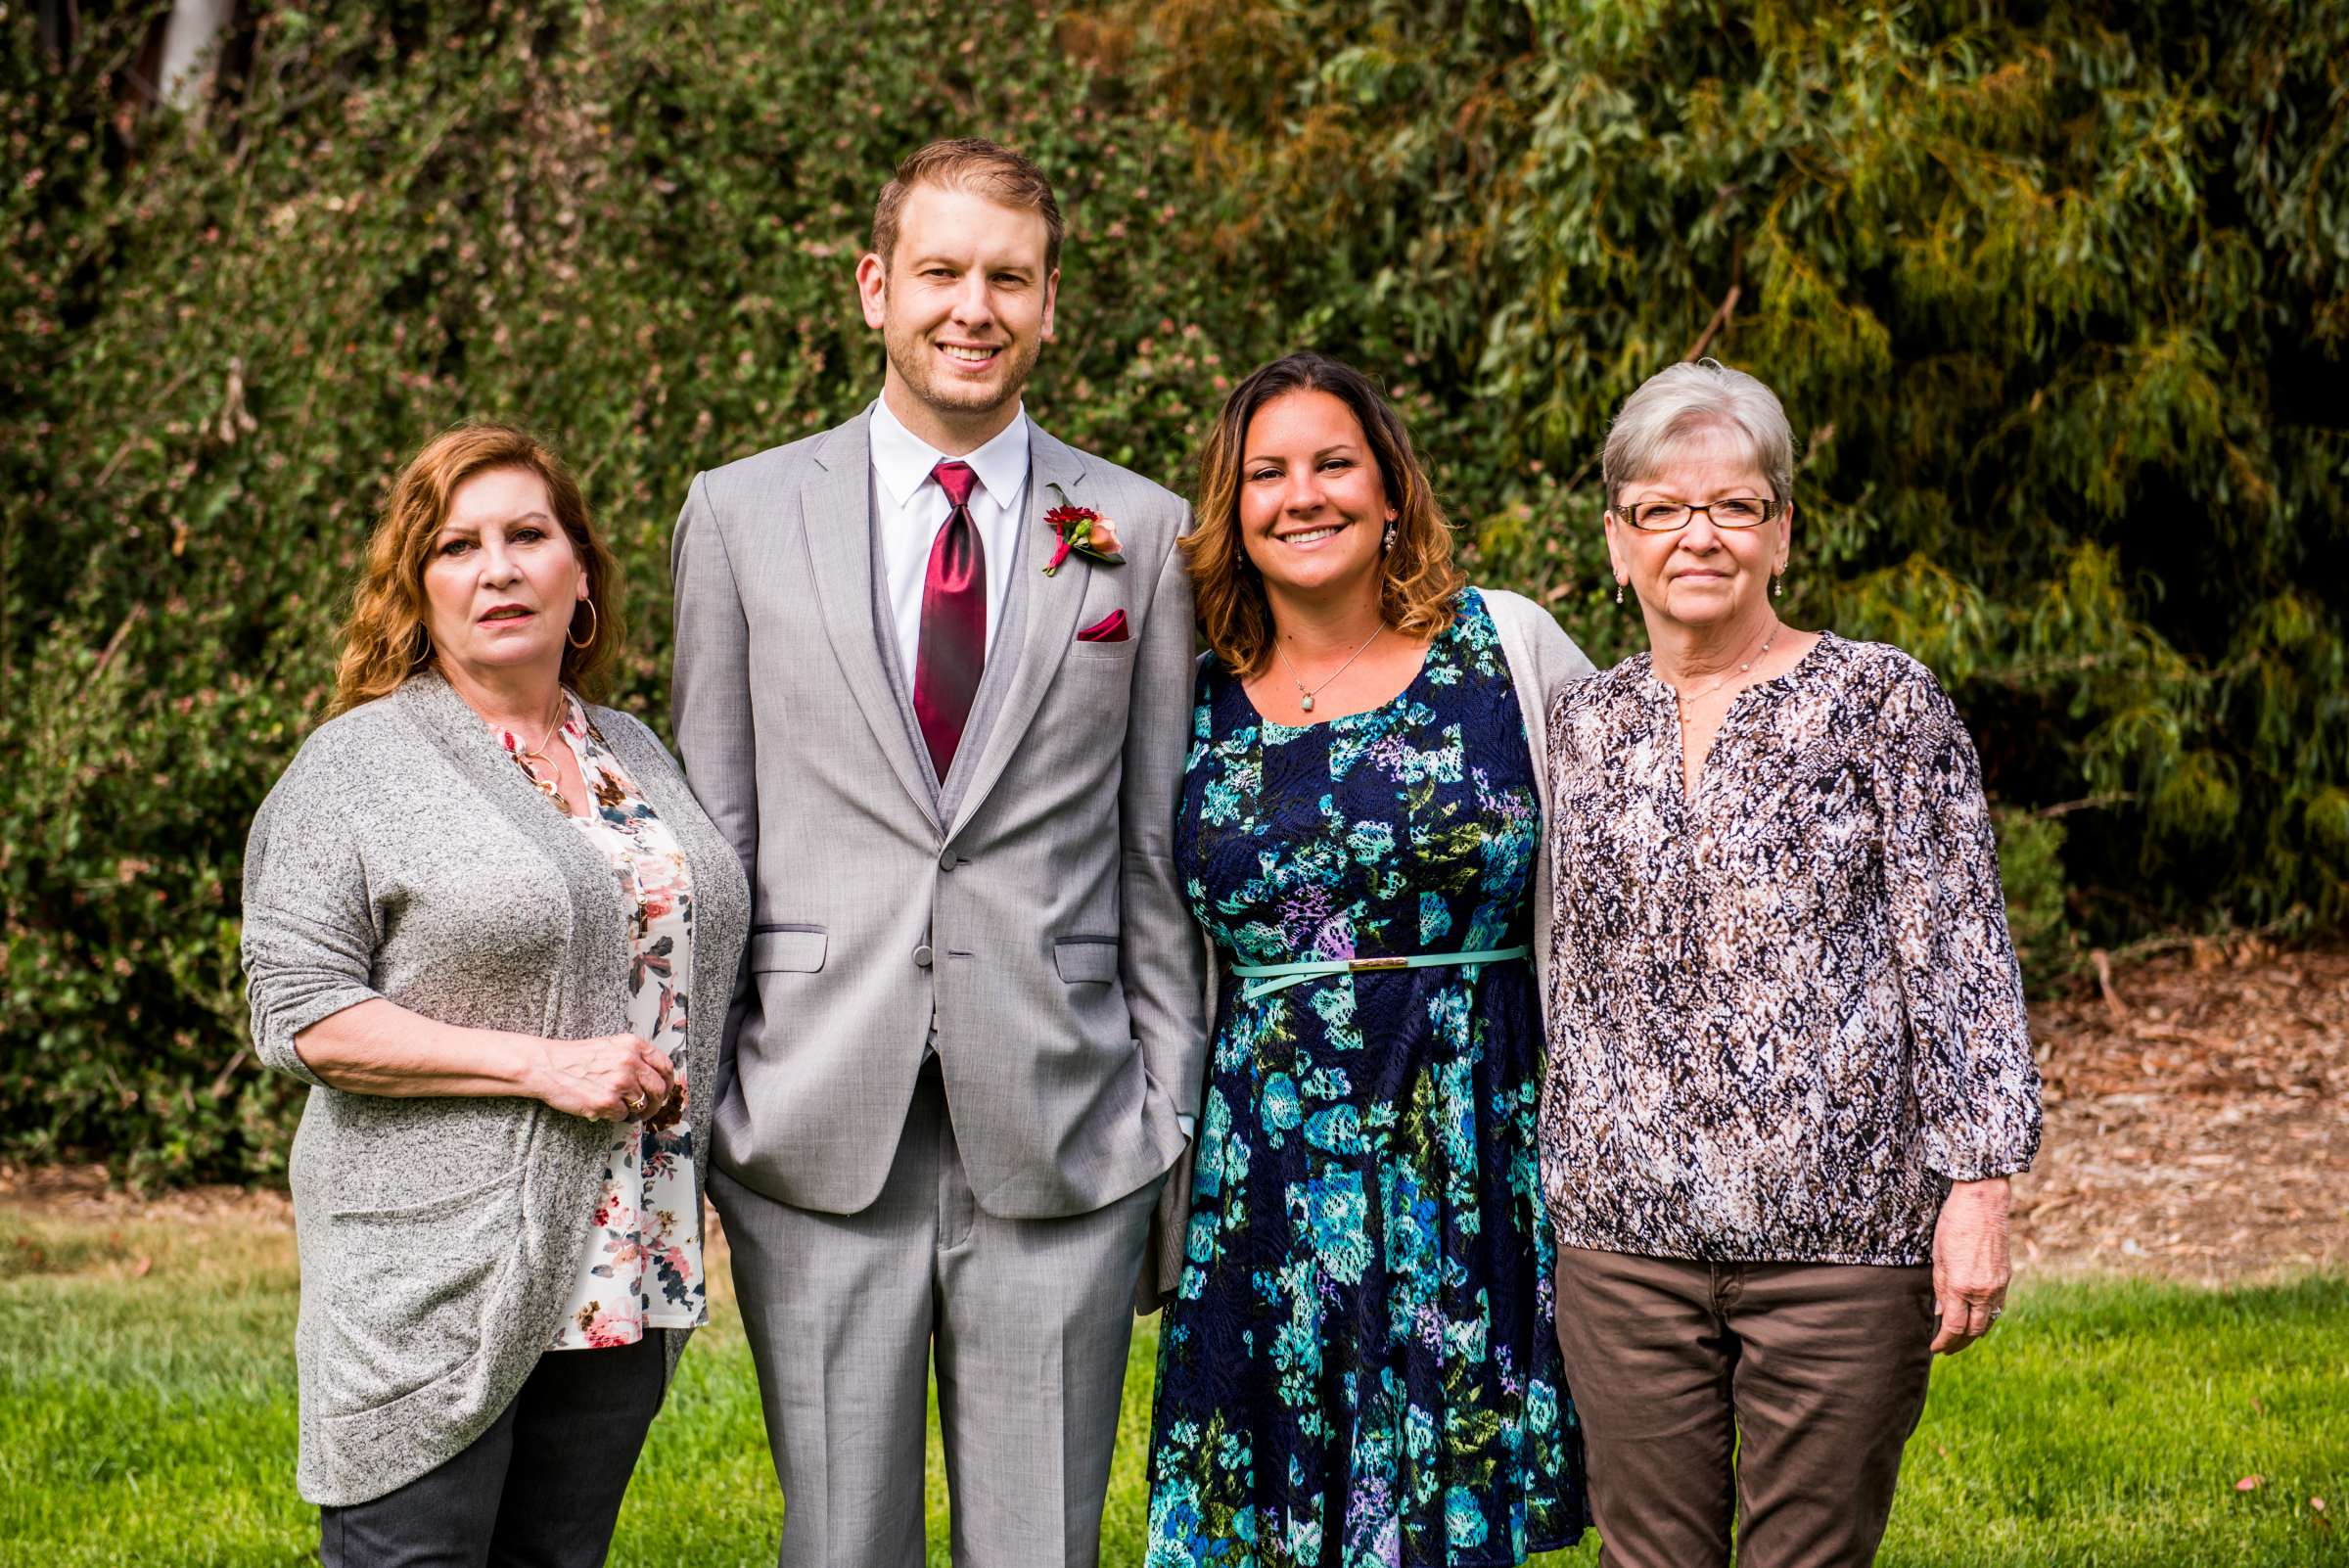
point(1364, 966)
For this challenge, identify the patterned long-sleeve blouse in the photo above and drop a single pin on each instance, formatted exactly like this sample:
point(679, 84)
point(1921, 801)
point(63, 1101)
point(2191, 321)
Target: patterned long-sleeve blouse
point(642, 1265)
point(1787, 1012)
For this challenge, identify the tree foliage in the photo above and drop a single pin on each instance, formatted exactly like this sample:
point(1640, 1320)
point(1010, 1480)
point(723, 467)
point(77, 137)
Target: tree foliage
point(2057, 297)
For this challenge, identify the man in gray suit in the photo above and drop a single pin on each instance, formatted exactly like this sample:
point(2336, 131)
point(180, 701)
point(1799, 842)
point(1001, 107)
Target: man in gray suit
point(973, 1028)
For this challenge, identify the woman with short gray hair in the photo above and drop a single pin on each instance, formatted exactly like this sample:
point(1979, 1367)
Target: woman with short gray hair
point(1789, 1067)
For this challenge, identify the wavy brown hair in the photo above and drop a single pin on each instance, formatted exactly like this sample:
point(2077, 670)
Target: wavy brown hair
point(389, 636)
point(1420, 582)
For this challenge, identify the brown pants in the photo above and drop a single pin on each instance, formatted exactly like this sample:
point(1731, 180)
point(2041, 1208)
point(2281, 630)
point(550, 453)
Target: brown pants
point(1779, 1394)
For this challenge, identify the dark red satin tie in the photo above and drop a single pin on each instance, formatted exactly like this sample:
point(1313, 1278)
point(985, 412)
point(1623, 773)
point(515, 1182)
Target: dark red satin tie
point(953, 649)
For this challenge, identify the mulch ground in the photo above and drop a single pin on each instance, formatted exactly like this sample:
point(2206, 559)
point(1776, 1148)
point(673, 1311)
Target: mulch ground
point(2195, 1108)
point(2197, 1126)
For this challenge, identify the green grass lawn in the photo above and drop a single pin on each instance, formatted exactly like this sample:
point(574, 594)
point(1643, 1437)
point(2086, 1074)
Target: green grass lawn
point(147, 1416)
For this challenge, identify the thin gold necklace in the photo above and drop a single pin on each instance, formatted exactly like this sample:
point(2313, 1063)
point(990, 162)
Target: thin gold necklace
point(1305, 698)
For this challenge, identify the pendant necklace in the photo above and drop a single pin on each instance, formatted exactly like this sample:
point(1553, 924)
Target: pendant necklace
point(1304, 697)
point(523, 756)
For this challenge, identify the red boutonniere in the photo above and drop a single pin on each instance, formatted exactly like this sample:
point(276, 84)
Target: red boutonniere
point(1082, 530)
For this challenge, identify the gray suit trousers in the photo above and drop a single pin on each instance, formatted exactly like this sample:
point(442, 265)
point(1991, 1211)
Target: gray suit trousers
point(1029, 1319)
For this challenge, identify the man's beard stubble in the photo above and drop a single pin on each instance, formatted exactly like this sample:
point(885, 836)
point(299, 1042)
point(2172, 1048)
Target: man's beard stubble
point(920, 380)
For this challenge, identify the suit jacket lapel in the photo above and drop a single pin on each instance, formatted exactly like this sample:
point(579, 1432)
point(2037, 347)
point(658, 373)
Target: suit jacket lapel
point(835, 505)
point(1053, 604)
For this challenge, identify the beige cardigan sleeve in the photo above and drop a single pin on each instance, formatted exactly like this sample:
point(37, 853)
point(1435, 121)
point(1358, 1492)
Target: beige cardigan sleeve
point(1542, 663)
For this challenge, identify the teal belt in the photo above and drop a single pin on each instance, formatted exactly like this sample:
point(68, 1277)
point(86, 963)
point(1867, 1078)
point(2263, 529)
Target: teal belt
point(1268, 978)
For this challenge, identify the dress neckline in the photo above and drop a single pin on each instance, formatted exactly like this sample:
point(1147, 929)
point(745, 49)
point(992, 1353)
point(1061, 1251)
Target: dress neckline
point(1275, 729)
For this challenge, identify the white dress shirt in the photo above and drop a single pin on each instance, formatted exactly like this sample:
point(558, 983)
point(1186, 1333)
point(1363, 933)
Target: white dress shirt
point(912, 508)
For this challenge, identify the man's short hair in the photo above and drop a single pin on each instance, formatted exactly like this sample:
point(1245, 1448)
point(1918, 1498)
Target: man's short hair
point(968, 163)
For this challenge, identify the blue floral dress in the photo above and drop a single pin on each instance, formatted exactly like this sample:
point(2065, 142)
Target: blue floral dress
point(1360, 1365)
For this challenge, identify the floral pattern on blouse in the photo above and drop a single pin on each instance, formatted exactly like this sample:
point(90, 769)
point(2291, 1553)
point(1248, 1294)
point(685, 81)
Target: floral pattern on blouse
point(1360, 1364)
point(642, 1267)
point(1787, 1013)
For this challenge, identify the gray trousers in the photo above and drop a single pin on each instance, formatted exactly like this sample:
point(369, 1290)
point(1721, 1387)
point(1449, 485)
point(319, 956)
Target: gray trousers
point(1029, 1321)
point(1781, 1393)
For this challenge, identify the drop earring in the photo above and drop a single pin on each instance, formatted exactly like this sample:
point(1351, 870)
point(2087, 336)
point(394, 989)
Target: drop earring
point(1388, 543)
point(1618, 590)
point(1777, 584)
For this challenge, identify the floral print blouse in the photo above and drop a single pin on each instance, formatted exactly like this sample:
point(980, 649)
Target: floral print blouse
point(642, 1267)
point(1786, 1010)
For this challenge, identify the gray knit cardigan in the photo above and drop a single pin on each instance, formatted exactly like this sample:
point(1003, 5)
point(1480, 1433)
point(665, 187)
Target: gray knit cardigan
point(402, 854)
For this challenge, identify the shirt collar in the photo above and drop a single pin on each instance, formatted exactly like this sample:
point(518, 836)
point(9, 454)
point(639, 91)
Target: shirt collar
point(902, 460)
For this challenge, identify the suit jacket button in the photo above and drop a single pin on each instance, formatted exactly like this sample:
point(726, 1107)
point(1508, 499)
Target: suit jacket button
point(921, 955)
point(948, 859)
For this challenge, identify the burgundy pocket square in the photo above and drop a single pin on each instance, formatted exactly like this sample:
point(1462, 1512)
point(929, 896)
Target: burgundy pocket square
point(1111, 628)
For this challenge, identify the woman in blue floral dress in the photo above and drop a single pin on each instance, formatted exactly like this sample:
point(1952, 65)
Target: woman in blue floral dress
point(1360, 1362)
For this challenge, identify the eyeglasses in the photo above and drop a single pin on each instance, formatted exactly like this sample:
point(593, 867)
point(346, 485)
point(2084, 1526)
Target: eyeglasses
point(1735, 512)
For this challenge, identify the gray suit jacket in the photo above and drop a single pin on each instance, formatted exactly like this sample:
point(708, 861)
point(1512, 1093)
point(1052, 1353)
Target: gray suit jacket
point(1021, 917)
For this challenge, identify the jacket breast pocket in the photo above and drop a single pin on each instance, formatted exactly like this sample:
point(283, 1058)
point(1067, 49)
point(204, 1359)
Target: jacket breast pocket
point(1086, 960)
point(787, 949)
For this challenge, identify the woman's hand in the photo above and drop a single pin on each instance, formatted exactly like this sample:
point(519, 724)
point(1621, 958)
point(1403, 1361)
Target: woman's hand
point(377, 1047)
point(1970, 1267)
point(613, 1077)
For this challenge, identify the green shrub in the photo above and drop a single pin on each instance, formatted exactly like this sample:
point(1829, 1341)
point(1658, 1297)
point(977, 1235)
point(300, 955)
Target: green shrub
point(2031, 865)
point(631, 227)
point(2058, 299)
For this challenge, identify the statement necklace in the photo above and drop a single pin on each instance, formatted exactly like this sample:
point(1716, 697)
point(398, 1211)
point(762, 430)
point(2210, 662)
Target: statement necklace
point(1304, 697)
point(1684, 699)
point(549, 785)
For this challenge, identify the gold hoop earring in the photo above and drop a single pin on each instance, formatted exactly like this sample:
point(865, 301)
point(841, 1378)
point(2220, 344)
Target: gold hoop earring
point(595, 626)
